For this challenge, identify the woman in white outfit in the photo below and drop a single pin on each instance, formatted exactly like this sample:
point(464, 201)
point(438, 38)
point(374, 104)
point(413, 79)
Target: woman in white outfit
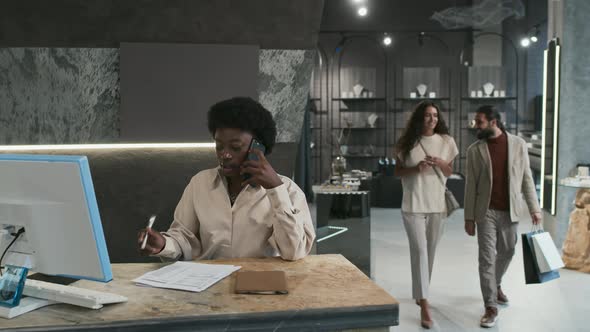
point(424, 150)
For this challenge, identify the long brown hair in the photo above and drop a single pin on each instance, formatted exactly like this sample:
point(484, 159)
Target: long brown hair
point(415, 125)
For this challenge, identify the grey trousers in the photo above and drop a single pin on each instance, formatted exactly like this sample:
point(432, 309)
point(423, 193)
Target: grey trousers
point(424, 231)
point(496, 236)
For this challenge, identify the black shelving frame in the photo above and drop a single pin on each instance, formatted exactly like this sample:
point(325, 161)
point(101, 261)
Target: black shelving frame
point(465, 98)
point(319, 115)
point(400, 101)
point(378, 103)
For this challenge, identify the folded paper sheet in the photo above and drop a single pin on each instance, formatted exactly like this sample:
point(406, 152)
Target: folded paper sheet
point(188, 276)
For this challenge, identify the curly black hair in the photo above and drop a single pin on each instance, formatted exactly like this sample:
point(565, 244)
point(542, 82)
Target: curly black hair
point(246, 114)
point(415, 125)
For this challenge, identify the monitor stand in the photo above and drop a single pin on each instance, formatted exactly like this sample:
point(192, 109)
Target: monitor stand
point(26, 304)
point(60, 280)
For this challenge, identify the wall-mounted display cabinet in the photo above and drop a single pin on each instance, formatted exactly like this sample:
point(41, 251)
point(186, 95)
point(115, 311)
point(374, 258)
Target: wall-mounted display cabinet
point(371, 91)
point(317, 119)
point(480, 85)
point(358, 104)
point(417, 84)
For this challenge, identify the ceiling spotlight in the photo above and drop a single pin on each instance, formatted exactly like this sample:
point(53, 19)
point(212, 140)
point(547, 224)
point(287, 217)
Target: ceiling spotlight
point(525, 42)
point(387, 40)
point(363, 11)
point(535, 35)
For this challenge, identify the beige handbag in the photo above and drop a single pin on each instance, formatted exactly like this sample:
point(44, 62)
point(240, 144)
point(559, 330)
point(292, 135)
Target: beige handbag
point(450, 200)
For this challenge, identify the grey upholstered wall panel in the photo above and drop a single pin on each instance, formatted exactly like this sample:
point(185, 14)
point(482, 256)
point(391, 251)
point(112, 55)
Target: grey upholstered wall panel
point(58, 95)
point(167, 89)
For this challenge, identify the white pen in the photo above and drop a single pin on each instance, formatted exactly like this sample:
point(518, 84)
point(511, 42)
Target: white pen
point(149, 226)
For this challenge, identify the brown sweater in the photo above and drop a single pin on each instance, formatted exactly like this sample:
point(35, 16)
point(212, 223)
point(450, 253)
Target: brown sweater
point(498, 148)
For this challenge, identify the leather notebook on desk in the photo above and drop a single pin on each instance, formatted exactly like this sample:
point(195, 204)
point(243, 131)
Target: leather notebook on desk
point(261, 282)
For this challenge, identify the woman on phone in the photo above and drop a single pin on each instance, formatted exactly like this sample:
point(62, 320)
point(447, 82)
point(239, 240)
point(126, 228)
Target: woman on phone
point(424, 149)
point(241, 208)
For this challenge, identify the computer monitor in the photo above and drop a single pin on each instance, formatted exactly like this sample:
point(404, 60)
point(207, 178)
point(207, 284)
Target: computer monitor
point(52, 197)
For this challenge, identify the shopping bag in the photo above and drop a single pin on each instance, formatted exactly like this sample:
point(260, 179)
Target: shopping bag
point(532, 275)
point(546, 253)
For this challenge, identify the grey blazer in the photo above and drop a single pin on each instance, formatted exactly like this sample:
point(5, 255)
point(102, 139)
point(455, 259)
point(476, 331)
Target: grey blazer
point(478, 180)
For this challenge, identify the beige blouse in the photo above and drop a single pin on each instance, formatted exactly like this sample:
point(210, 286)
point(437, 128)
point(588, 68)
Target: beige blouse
point(261, 223)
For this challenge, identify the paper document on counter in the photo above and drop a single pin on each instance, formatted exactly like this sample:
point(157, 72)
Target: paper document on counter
point(188, 276)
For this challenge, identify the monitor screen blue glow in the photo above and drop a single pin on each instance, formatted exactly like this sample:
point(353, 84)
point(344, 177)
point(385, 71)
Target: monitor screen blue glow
point(52, 197)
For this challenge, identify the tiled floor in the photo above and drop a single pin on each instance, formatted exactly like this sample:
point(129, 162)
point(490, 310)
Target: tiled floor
point(559, 305)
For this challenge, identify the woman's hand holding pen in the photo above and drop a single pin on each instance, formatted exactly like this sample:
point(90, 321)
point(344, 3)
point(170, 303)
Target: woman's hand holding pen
point(155, 241)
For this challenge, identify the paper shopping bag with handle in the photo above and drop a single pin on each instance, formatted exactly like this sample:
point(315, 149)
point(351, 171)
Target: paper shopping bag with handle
point(532, 274)
point(546, 253)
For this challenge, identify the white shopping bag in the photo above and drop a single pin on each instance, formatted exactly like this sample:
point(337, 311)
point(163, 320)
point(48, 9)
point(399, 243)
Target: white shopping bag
point(547, 255)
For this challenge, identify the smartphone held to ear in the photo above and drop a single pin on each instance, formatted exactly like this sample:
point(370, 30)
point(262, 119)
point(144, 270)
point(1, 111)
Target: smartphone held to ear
point(254, 145)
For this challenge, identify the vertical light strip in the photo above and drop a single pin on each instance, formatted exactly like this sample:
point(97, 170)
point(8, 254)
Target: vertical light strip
point(543, 129)
point(555, 130)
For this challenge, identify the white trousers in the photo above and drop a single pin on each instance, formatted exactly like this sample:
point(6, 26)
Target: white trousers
point(424, 231)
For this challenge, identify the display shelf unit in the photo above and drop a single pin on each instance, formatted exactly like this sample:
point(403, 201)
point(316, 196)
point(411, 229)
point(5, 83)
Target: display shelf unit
point(437, 79)
point(426, 60)
point(360, 128)
point(359, 116)
point(419, 99)
point(504, 94)
point(352, 100)
point(318, 117)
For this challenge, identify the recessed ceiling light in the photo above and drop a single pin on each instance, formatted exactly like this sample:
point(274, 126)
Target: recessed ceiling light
point(386, 40)
point(363, 11)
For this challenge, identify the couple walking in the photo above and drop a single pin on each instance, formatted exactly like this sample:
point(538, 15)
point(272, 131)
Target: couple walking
point(497, 175)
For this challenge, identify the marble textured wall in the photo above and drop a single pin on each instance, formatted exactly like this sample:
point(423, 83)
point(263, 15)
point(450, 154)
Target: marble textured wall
point(58, 95)
point(283, 86)
point(574, 120)
point(53, 95)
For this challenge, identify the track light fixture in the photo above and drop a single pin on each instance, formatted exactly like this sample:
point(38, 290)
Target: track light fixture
point(362, 11)
point(531, 37)
point(421, 38)
point(387, 39)
point(535, 36)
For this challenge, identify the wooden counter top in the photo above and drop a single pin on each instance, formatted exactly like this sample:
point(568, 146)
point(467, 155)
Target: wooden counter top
point(324, 290)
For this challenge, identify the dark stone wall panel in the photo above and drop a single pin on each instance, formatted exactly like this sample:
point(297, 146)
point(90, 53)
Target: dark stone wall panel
point(58, 95)
point(286, 24)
